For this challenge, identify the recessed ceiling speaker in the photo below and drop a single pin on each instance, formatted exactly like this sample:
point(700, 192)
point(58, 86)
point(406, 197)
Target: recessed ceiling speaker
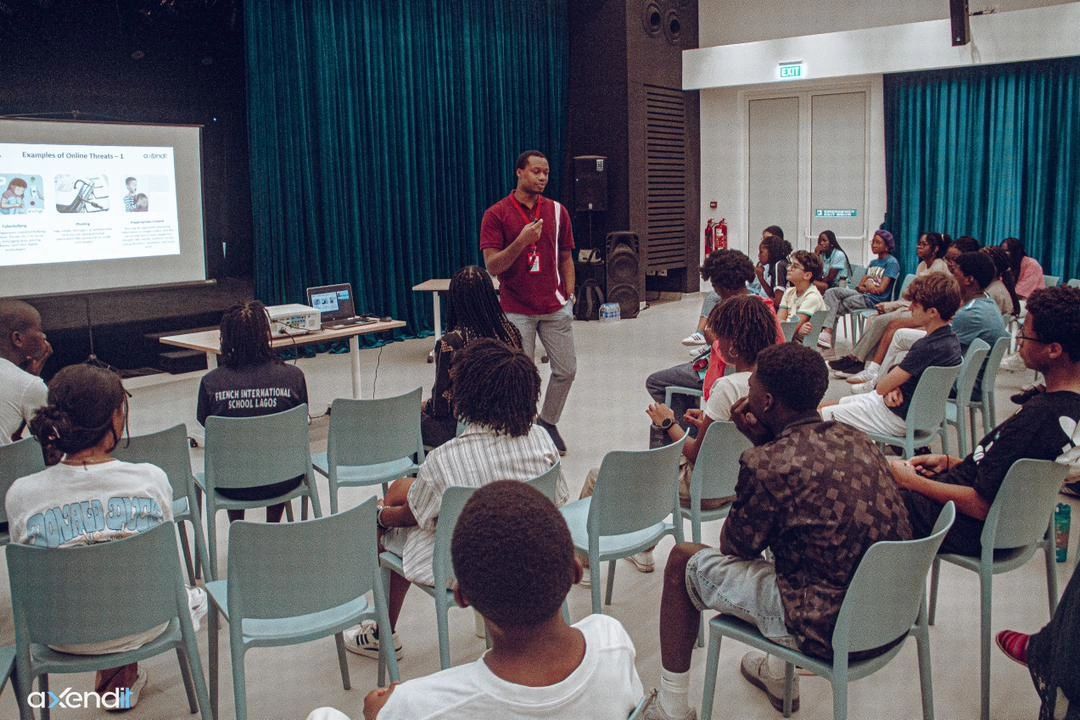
point(622, 261)
point(961, 23)
point(652, 18)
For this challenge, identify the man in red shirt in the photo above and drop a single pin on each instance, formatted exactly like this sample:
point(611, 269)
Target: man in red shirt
point(528, 242)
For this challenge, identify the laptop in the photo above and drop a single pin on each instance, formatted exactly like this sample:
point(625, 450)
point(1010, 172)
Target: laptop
point(335, 304)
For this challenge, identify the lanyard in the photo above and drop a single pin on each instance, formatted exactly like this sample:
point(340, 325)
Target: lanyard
point(524, 213)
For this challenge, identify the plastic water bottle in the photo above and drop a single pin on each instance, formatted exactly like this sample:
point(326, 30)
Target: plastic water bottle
point(1061, 531)
point(610, 311)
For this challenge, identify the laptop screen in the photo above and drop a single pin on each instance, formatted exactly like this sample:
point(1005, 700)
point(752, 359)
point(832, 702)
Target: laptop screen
point(335, 302)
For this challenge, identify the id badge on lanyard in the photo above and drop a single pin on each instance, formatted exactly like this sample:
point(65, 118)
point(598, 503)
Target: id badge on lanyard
point(533, 256)
point(533, 259)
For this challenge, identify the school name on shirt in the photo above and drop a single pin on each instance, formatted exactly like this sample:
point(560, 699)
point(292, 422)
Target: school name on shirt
point(266, 397)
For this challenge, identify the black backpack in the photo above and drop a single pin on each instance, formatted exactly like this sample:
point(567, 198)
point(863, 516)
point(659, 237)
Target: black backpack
point(590, 296)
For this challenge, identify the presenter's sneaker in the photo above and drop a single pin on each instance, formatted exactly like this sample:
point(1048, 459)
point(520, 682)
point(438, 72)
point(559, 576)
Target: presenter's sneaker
point(755, 668)
point(363, 639)
point(643, 561)
point(694, 339)
point(553, 432)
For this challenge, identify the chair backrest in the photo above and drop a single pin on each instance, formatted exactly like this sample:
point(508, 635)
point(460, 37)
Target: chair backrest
point(970, 369)
point(635, 489)
point(1075, 282)
point(882, 601)
point(858, 272)
point(279, 570)
point(254, 451)
point(817, 320)
point(17, 460)
point(548, 482)
point(368, 432)
point(993, 363)
point(453, 502)
point(927, 409)
point(908, 279)
point(124, 587)
point(168, 450)
point(717, 468)
point(790, 326)
point(1023, 504)
point(1052, 281)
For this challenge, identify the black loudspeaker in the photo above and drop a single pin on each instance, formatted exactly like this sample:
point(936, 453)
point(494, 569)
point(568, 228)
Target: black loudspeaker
point(590, 182)
point(961, 26)
point(621, 263)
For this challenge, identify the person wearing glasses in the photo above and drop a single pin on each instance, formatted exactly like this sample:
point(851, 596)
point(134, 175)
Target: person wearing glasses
point(802, 298)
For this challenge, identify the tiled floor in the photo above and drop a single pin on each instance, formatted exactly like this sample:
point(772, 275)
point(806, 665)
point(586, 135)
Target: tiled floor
point(605, 412)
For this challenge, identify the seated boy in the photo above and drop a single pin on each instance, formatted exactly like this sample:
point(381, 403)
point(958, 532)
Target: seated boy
point(935, 298)
point(802, 299)
point(514, 563)
point(1044, 428)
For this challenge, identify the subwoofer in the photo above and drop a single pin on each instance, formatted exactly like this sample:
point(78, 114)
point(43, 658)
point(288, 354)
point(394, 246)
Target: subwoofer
point(622, 262)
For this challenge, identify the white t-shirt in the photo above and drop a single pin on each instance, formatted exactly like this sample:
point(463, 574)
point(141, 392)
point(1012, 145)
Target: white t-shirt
point(21, 393)
point(725, 392)
point(806, 304)
point(605, 686)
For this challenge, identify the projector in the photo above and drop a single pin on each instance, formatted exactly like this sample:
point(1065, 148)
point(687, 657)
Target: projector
point(294, 319)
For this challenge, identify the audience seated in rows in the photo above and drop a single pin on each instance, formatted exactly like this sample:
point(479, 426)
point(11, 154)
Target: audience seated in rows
point(1026, 269)
point(818, 494)
point(802, 298)
point(935, 298)
point(251, 380)
point(495, 389)
point(875, 288)
point(23, 353)
point(1044, 428)
point(90, 497)
point(472, 312)
point(837, 266)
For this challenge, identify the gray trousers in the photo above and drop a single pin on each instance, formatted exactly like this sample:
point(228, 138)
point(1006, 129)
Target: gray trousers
point(841, 301)
point(874, 329)
point(556, 331)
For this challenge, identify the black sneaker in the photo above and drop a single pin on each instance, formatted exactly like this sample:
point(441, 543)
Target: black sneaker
point(846, 364)
point(1072, 489)
point(553, 432)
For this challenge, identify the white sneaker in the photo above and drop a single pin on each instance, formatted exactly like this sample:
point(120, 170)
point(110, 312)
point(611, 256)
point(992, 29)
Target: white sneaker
point(136, 689)
point(825, 339)
point(654, 711)
point(868, 373)
point(363, 639)
point(586, 577)
point(696, 351)
point(755, 668)
point(643, 561)
point(863, 387)
point(197, 606)
point(695, 338)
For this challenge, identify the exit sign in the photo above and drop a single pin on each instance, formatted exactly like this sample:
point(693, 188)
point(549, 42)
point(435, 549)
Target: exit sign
point(792, 71)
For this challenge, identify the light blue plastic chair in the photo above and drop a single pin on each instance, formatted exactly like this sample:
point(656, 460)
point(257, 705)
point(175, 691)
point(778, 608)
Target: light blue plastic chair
point(859, 317)
point(639, 711)
point(548, 482)
point(816, 321)
point(987, 403)
point(168, 450)
point(250, 452)
point(1014, 529)
point(453, 500)
point(926, 413)
point(371, 442)
point(294, 583)
point(885, 602)
point(17, 460)
point(1074, 283)
point(672, 390)
point(104, 608)
point(636, 490)
point(960, 412)
point(1052, 281)
point(715, 473)
point(7, 666)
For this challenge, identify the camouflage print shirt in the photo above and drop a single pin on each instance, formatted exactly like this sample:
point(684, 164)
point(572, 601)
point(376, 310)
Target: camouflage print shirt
point(819, 495)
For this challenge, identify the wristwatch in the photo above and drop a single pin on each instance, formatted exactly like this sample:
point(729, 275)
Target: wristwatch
point(378, 517)
point(667, 423)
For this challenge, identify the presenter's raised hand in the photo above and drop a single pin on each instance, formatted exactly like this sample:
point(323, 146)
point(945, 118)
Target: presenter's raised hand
point(530, 234)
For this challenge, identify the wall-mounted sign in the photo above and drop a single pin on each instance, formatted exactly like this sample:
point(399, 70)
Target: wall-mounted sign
point(792, 70)
point(835, 213)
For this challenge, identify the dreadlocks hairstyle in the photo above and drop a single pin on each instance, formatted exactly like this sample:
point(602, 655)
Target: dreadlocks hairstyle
point(728, 269)
point(82, 401)
point(472, 308)
point(495, 385)
point(513, 556)
point(1004, 273)
point(811, 263)
point(245, 335)
point(1055, 313)
point(935, 290)
point(747, 323)
point(1017, 253)
point(793, 374)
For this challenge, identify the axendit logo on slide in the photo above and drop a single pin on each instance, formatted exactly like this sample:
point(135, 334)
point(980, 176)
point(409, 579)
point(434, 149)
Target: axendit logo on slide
point(119, 699)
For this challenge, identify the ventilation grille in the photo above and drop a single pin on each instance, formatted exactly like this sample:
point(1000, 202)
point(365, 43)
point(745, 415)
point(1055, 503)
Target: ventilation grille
point(665, 178)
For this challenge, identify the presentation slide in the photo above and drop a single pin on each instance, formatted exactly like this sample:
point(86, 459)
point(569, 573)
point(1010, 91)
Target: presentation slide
point(99, 206)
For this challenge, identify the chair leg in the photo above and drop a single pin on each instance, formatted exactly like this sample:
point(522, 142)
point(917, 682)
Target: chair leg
point(789, 680)
point(1051, 572)
point(191, 655)
point(839, 696)
point(339, 641)
point(971, 426)
point(211, 542)
point(945, 436)
point(594, 587)
point(185, 675)
point(712, 661)
point(289, 512)
point(442, 619)
point(212, 630)
point(236, 650)
point(303, 507)
point(610, 581)
point(934, 572)
point(313, 495)
point(926, 677)
point(43, 686)
point(961, 431)
point(185, 548)
point(22, 684)
point(695, 531)
point(334, 498)
point(985, 597)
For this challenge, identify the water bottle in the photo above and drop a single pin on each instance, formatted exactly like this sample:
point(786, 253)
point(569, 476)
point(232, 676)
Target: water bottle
point(1061, 531)
point(610, 311)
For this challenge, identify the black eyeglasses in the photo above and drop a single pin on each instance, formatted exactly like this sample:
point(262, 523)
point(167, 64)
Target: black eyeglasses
point(1028, 338)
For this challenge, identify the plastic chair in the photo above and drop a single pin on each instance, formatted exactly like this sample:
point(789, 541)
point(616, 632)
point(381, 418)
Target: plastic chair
point(168, 450)
point(926, 413)
point(371, 442)
point(885, 603)
point(635, 492)
point(859, 316)
point(453, 500)
point(858, 272)
point(1072, 283)
point(965, 383)
point(7, 666)
point(816, 321)
point(672, 390)
point(987, 403)
point(17, 460)
point(548, 482)
point(715, 473)
point(124, 587)
point(250, 452)
point(1052, 281)
point(1014, 529)
point(294, 583)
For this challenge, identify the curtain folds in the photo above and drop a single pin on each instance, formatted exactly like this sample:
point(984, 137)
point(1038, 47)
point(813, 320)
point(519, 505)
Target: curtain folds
point(380, 131)
point(991, 152)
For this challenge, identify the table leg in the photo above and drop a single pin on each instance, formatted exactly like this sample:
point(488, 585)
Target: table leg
point(354, 358)
point(438, 314)
point(211, 361)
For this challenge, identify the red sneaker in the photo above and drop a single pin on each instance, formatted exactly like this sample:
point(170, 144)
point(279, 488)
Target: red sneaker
point(1014, 645)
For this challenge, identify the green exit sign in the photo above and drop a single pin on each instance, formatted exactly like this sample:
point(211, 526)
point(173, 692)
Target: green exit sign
point(792, 71)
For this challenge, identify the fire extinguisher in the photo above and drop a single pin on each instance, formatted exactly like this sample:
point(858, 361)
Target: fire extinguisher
point(709, 235)
point(720, 233)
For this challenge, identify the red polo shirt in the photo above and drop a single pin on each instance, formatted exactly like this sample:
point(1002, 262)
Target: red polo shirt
point(521, 290)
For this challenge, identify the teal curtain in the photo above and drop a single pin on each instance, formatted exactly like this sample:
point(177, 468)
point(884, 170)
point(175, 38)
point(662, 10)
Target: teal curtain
point(381, 130)
point(991, 152)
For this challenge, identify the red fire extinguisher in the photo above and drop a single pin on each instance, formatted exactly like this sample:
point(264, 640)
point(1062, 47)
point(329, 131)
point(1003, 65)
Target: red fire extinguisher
point(720, 232)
